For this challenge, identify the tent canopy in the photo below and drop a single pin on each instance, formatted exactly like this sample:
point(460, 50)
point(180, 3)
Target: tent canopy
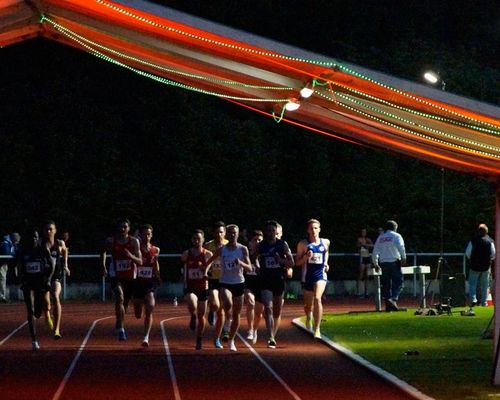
point(348, 102)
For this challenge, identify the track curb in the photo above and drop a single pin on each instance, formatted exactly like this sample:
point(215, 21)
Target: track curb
point(387, 376)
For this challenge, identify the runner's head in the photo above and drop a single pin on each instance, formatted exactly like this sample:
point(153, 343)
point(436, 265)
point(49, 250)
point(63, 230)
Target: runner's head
point(313, 228)
point(219, 231)
point(270, 230)
point(32, 238)
point(232, 233)
point(49, 229)
point(255, 239)
point(122, 227)
point(145, 233)
point(198, 238)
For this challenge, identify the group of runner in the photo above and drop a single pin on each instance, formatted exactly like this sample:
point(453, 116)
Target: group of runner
point(219, 277)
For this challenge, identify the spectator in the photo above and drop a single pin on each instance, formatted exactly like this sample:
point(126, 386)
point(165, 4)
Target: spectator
point(389, 254)
point(480, 251)
point(364, 245)
point(8, 248)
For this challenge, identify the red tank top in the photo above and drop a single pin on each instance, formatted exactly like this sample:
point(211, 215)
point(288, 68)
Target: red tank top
point(125, 268)
point(149, 257)
point(195, 271)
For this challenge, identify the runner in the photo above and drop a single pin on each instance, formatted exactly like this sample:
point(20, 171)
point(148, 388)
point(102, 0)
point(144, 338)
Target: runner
point(234, 260)
point(125, 250)
point(59, 257)
point(252, 286)
point(312, 255)
point(35, 280)
point(216, 312)
point(276, 262)
point(148, 279)
point(195, 283)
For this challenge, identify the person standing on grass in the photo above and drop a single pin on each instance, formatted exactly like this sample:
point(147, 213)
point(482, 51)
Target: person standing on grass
point(364, 245)
point(252, 287)
point(148, 279)
point(196, 267)
point(58, 253)
point(216, 312)
point(276, 263)
point(481, 253)
point(312, 254)
point(125, 250)
point(234, 260)
point(35, 279)
point(389, 254)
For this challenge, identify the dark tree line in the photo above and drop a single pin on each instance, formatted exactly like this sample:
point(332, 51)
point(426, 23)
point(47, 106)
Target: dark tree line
point(84, 142)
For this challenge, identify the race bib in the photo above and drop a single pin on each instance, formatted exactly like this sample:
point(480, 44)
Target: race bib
point(253, 271)
point(216, 270)
point(122, 265)
point(316, 258)
point(145, 272)
point(33, 267)
point(195, 274)
point(271, 262)
point(229, 265)
point(364, 252)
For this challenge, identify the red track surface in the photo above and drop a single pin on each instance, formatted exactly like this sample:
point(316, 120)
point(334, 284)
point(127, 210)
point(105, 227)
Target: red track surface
point(108, 369)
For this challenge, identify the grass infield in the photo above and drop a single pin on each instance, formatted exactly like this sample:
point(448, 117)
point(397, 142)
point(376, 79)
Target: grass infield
point(443, 356)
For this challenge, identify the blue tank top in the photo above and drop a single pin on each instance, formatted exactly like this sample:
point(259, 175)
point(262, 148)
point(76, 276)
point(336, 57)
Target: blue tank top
point(316, 263)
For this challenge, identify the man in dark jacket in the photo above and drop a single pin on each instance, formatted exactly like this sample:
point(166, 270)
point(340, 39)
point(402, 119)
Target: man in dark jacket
point(480, 251)
point(8, 247)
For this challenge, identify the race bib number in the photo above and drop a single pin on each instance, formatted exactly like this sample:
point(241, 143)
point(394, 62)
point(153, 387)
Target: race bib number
point(33, 267)
point(122, 265)
point(195, 274)
point(316, 258)
point(145, 272)
point(230, 265)
point(271, 262)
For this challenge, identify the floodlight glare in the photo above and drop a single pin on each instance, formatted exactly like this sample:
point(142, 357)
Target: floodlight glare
point(292, 105)
point(431, 77)
point(307, 91)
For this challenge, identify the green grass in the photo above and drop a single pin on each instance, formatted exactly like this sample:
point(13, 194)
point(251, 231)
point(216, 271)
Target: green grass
point(454, 362)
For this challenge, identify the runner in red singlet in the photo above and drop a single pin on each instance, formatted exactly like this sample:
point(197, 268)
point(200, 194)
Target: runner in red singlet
point(126, 254)
point(148, 278)
point(196, 283)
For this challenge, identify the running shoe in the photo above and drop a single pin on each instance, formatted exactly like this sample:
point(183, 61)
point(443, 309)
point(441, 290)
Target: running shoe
point(254, 340)
point(317, 334)
point(49, 322)
point(225, 336)
point(145, 342)
point(271, 343)
point(309, 325)
point(198, 343)
point(211, 318)
point(122, 336)
point(57, 335)
point(218, 344)
point(232, 346)
point(250, 334)
point(34, 345)
point(192, 323)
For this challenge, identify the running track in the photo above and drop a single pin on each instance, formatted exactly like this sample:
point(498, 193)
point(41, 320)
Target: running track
point(90, 363)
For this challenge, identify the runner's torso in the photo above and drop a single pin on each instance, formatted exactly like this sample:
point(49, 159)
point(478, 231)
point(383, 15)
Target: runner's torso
point(125, 268)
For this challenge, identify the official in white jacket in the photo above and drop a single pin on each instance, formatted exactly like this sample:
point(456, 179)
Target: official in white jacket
point(389, 254)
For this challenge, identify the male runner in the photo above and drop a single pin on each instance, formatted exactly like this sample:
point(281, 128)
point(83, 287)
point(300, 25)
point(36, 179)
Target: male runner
point(125, 250)
point(59, 257)
point(312, 255)
point(234, 260)
point(252, 284)
point(219, 240)
point(35, 279)
point(195, 283)
point(148, 278)
point(276, 262)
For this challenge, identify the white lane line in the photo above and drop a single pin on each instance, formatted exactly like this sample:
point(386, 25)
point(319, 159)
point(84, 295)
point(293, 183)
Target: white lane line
point(269, 368)
point(404, 386)
point(13, 333)
point(63, 383)
point(173, 378)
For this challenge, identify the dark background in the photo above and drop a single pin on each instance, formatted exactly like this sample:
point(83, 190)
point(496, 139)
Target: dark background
point(84, 142)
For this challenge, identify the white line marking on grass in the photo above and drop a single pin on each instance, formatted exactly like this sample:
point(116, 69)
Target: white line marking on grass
point(269, 368)
point(63, 383)
point(404, 386)
point(13, 333)
point(173, 378)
